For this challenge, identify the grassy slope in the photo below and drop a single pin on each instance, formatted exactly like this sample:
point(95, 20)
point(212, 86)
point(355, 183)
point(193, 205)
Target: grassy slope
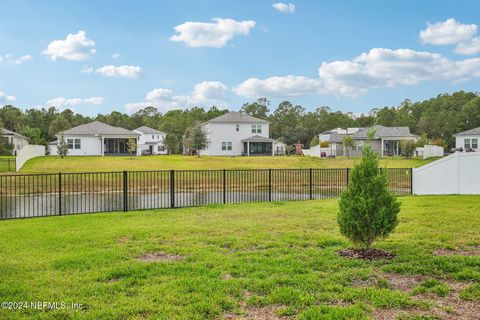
point(79, 164)
point(278, 253)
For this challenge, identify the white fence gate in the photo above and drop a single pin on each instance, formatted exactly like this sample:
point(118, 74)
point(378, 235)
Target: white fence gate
point(456, 174)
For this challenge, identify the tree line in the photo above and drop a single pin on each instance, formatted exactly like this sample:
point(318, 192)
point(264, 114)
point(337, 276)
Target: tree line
point(437, 119)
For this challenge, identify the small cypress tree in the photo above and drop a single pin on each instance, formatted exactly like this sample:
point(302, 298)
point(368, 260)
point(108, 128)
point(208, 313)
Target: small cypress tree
point(131, 146)
point(62, 147)
point(367, 209)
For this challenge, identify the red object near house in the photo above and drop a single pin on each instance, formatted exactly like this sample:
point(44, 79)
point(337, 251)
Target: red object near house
point(298, 148)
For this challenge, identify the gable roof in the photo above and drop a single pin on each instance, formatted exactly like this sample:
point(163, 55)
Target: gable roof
point(468, 132)
point(384, 132)
point(236, 117)
point(97, 127)
point(6, 131)
point(148, 130)
point(258, 138)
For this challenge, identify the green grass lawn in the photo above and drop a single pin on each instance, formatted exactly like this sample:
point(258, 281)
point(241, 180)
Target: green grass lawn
point(252, 261)
point(97, 163)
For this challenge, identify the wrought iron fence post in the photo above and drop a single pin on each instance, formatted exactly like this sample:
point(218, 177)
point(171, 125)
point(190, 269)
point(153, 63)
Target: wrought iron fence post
point(411, 181)
point(59, 193)
point(125, 191)
point(269, 185)
point(172, 188)
point(310, 183)
point(224, 186)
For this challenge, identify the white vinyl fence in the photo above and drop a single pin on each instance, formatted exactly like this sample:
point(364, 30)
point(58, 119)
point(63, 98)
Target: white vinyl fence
point(456, 174)
point(316, 151)
point(429, 151)
point(28, 152)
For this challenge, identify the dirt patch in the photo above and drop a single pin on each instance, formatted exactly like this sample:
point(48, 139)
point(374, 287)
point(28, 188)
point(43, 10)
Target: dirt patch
point(366, 254)
point(257, 313)
point(467, 251)
point(124, 239)
point(403, 282)
point(227, 276)
point(159, 256)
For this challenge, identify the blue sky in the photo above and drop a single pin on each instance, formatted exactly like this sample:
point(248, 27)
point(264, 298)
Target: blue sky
point(123, 55)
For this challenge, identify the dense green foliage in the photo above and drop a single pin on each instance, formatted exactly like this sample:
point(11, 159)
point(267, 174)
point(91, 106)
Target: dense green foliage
point(348, 144)
point(408, 148)
point(367, 209)
point(439, 118)
point(196, 139)
point(240, 261)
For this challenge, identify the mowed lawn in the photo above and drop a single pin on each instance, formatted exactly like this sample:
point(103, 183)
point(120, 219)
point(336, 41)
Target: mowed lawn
point(249, 261)
point(178, 162)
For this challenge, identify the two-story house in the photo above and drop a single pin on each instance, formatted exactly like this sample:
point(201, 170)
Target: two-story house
point(151, 140)
point(236, 134)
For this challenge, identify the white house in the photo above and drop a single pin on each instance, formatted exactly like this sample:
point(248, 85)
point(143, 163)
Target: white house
point(386, 141)
point(17, 140)
point(236, 134)
point(151, 140)
point(95, 139)
point(468, 139)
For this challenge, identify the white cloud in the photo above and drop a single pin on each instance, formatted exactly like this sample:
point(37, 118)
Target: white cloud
point(203, 94)
point(116, 55)
point(6, 99)
point(208, 34)
point(452, 32)
point(284, 7)
point(278, 87)
point(87, 69)
point(20, 60)
point(120, 71)
point(447, 32)
point(469, 47)
point(75, 47)
point(62, 102)
point(378, 68)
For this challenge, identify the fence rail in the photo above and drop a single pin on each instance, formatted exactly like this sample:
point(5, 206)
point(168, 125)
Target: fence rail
point(8, 165)
point(39, 195)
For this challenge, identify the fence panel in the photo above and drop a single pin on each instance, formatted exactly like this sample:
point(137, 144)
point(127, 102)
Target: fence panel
point(8, 165)
point(38, 195)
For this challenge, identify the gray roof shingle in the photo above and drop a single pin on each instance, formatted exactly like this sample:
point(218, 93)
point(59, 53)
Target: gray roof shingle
point(235, 117)
point(384, 132)
point(9, 132)
point(468, 132)
point(258, 139)
point(148, 130)
point(97, 127)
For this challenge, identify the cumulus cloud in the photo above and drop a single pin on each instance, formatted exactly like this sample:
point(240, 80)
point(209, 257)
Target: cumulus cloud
point(378, 68)
point(120, 71)
point(75, 47)
point(62, 102)
point(214, 34)
point(447, 32)
point(204, 93)
point(20, 60)
point(451, 32)
point(278, 87)
point(6, 99)
point(284, 7)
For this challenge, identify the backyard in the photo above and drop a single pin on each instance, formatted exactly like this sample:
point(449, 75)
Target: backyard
point(250, 261)
point(178, 162)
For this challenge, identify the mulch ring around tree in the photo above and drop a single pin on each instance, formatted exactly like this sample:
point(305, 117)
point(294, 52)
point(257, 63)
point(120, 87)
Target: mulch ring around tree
point(365, 254)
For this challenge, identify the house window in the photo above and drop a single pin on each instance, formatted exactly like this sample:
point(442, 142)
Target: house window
point(237, 127)
point(70, 143)
point(226, 146)
point(77, 144)
point(256, 128)
point(360, 145)
point(466, 143)
point(474, 143)
point(153, 136)
point(161, 148)
point(158, 136)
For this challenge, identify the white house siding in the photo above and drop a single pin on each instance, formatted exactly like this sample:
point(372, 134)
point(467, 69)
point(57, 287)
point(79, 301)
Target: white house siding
point(456, 174)
point(154, 139)
point(226, 132)
point(89, 146)
point(18, 142)
point(460, 141)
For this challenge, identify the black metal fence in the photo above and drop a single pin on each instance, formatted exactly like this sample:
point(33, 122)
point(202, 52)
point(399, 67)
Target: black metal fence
point(39, 195)
point(8, 165)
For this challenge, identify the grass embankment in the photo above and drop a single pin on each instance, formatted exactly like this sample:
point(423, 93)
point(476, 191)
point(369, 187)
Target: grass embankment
point(250, 260)
point(96, 163)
